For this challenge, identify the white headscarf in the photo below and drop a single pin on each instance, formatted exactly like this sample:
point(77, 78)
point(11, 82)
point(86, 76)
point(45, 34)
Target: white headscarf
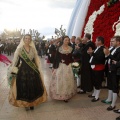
point(22, 43)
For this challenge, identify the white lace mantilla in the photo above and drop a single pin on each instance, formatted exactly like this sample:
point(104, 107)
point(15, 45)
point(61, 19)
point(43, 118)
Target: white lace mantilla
point(63, 51)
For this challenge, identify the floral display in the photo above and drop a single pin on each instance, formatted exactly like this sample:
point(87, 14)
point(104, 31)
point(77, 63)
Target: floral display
point(104, 22)
point(116, 27)
point(89, 26)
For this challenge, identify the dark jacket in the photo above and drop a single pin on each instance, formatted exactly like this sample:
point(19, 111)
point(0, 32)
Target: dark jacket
point(116, 57)
point(98, 57)
point(77, 53)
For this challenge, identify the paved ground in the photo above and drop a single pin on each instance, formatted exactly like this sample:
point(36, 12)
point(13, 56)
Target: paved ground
point(78, 108)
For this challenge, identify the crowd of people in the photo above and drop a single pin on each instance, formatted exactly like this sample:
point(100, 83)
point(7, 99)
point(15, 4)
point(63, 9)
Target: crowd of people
point(97, 62)
point(8, 47)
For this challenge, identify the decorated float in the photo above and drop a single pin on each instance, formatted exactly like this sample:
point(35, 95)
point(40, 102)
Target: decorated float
point(97, 17)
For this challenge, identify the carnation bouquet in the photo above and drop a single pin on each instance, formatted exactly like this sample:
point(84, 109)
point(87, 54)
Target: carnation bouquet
point(76, 68)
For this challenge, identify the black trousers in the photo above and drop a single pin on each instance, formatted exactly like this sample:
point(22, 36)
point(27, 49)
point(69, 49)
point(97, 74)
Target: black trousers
point(113, 82)
point(9, 52)
point(97, 78)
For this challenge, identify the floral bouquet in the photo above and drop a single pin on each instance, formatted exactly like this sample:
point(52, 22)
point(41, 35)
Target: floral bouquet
point(76, 68)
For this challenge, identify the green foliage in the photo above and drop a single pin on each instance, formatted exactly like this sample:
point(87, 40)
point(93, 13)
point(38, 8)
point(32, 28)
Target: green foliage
point(111, 2)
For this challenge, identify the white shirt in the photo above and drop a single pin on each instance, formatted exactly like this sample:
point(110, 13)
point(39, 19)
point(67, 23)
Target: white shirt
point(88, 40)
point(48, 49)
point(93, 66)
point(110, 48)
point(112, 54)
point(94, 52)
point(106, 56)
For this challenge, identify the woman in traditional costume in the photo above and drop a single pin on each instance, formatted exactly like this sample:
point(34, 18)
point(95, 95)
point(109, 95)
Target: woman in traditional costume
point(63, 85)
point(27, 87)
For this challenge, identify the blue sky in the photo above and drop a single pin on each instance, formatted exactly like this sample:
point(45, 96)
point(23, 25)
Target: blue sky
point(42, 15)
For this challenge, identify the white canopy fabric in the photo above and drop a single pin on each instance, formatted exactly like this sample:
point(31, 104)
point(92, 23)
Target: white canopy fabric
point(78, 18)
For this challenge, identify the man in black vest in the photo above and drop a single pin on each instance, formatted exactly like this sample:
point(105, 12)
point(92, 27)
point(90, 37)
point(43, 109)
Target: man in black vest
point(86, 76)
point(97, 62)
point(113, 77)
point(109, 99)
point(51, 53)
point(72, 41)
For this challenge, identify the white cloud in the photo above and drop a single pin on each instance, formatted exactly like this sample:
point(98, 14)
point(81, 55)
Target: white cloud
point(35, 14)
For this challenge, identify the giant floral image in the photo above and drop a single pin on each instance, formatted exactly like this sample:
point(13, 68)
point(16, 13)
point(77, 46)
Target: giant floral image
point(105, 19)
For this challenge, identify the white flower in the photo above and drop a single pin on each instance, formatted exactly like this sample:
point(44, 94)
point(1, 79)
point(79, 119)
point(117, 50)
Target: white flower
point(76, 64)
point(63, 61)
point(117, 26)
point(89, 26)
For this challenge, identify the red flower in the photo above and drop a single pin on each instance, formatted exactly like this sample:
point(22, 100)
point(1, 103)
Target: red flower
point(104, 22)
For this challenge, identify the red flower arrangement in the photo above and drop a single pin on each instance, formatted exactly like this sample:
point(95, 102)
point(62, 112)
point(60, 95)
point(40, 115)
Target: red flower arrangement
point(104, 22)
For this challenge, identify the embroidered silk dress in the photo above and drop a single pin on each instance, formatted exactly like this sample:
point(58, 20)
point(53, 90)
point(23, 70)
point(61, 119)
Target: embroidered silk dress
point(63, 86)
point(27, 87)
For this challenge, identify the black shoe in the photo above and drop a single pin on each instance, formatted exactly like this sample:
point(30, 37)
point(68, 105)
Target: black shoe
point(110, 108)
point(90, 96)
point(118, 118)
point(84, 92)
point(94, 100)
point(117, 111)
point(78, 87)
point(32, 108)
point(27, 108)
point(104, 87)
point(66, 101)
